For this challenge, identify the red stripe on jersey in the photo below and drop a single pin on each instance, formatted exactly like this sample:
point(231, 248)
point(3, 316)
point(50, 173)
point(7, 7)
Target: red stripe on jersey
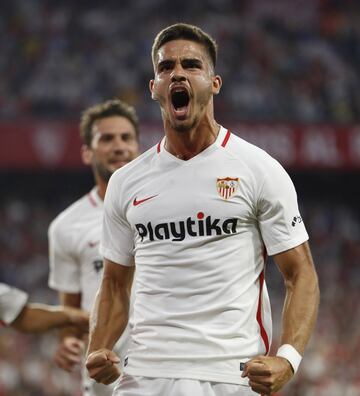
point(264, 336)
point(224, 143)
point(158, 147)
point(92, 200)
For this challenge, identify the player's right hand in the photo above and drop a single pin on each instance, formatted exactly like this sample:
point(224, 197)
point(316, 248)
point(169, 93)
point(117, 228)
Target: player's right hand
point(69, 353)
point(102, 366)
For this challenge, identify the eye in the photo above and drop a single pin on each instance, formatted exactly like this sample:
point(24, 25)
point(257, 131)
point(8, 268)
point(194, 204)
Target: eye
point(126, 137)
point(164, 66)
point(106, 137)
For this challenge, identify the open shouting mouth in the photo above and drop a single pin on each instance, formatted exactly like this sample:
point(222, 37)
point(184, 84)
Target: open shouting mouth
point(180, 99)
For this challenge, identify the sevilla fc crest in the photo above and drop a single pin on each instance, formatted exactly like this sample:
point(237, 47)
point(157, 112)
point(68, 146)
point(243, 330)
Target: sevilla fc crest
point(227, 186)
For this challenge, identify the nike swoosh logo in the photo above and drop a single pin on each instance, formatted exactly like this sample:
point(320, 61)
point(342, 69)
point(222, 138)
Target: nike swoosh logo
point(140, 201)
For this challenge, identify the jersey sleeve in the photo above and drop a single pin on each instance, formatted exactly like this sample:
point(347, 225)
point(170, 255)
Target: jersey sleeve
point(12, 302)
point(279, 218)
point(64, 269)
point(117, 240)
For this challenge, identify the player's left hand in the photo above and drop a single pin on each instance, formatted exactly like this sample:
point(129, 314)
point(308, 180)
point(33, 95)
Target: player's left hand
point(267, 374)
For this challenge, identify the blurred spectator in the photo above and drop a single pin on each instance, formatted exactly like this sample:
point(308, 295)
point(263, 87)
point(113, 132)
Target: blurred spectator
point(295, 61)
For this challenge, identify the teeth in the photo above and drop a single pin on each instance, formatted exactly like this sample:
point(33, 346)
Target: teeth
point(179, 89)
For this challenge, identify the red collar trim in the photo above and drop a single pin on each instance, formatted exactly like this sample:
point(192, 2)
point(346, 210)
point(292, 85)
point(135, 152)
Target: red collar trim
point(226, 139)
point(92, 200)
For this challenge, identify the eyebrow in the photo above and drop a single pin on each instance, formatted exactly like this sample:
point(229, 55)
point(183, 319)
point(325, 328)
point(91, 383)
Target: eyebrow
point(106, 134)
point(192, 61)
point(186, 61)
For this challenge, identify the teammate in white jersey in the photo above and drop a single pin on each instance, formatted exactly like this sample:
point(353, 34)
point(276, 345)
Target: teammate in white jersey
point(110, 134)
point(199, 213)
point(17, 312)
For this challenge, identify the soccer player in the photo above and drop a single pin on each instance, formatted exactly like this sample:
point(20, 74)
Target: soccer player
point(110, 134)
point(16, 312)
point(199, 212)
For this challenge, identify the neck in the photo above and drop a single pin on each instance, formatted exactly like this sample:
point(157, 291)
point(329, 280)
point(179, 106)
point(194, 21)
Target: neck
point(187, 144)
point(101, 187)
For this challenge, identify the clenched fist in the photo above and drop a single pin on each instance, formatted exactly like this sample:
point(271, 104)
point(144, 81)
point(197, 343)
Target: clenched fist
point(102, 366)
point(267, 374)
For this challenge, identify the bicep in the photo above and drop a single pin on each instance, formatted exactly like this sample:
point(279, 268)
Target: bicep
point(120, 274)
point(23, 316)
point(296, 262)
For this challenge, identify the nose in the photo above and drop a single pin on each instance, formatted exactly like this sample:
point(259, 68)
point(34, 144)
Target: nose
point(178, 73)
point(119, 144)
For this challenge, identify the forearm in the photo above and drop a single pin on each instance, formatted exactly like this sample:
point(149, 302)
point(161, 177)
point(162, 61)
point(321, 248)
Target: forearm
point(72, 300)
point(40, 317)
point(300, 309)
point(109, 316)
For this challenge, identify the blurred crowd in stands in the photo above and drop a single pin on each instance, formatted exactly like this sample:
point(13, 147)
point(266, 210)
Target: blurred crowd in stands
point(280, 60)
point(331, 366)
point(283, 60)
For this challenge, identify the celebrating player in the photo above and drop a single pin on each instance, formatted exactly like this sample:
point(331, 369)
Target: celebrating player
point(16, 312)
point(110, 134)
point(199, 212)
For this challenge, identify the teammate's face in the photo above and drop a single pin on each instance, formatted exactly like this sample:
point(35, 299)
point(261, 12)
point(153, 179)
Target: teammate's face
point(184, 83)
point(114, 144)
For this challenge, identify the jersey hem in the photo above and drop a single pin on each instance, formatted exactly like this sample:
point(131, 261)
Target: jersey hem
point(283, 246)
point(126, 261)
point(63, 288)
point(21, 299)
point(195, 375)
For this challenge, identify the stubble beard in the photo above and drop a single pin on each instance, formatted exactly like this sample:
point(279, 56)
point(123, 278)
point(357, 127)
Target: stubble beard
point(103, 172)
point(187, 126)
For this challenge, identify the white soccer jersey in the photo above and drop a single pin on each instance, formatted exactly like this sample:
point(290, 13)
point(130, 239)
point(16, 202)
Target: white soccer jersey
point(199, 231)
point(12, 302)
point(76, 264)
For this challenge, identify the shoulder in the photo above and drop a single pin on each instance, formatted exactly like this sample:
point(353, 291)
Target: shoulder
point(256, 160)
point(71, 215)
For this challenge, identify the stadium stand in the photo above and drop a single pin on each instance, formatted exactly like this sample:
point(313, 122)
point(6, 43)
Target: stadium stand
point(292, 62)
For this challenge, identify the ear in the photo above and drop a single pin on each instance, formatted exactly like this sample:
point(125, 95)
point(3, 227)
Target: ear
point(86, 154)
point(151, 87)
point(217, 83)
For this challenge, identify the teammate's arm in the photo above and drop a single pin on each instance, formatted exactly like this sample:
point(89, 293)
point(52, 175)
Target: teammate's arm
point(108, 320)
point(267, 374)
point(71, 346)
point(36, 318)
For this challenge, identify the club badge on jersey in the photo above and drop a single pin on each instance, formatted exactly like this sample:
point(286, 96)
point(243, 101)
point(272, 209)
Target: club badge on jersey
point(227, 186)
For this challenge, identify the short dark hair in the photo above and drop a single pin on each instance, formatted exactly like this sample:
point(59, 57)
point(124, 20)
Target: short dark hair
point(114, 107)
point(187, 32)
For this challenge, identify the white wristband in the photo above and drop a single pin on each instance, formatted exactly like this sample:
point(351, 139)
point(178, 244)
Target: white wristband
point(288, 352)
